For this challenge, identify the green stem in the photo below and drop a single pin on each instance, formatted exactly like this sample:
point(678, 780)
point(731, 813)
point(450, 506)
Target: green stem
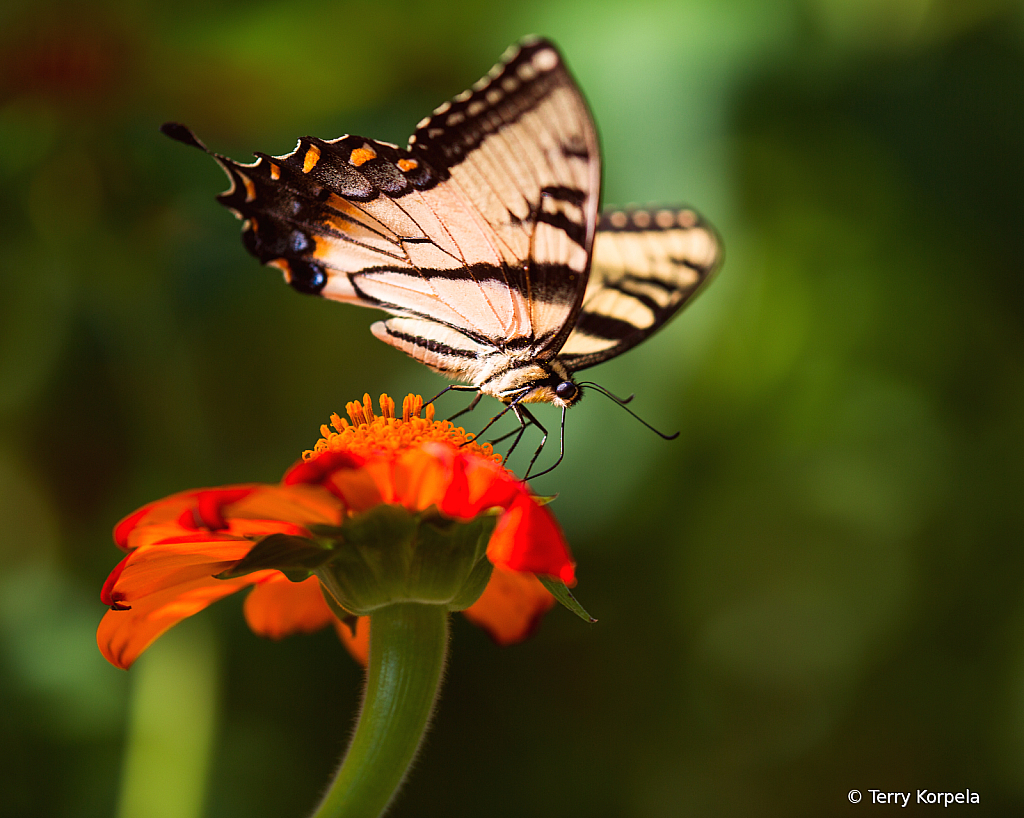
point(408, 648)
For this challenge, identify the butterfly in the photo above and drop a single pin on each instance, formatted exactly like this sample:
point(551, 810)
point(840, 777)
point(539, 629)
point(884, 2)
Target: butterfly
point(482, 239)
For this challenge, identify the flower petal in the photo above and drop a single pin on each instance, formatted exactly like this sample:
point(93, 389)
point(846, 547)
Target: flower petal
point(171, 508)
point(527, 538)
point(157, 585)
point(365, 487)
point(421, 478)
point(278, 607)
point(301, 505)
point(160, 566)
point(511, 607)
point(482, 484)
point(124, 634)
point(316, 469)
point(214, 509)
point(360, 483)
point(176, 537)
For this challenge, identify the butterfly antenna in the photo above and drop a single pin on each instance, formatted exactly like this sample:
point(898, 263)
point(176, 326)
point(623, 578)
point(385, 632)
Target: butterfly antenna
point(608, 394)
point(614, 397)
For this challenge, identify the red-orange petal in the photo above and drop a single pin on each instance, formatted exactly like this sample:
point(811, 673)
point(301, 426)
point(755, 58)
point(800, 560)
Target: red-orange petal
point(169, 578)
point(123, 635)
point(511, 607)
point(363, 488)
point(214, 509)
point(482, 484)
point(300, 504)
point(421, 476)
point(158, 567)
point(173, 537)
point(170, 509)
point(278, 607)
point(527, 538)
point(316, 469)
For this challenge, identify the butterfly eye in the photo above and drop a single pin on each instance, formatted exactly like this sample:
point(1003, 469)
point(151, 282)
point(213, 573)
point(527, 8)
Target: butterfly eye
point(566, 390)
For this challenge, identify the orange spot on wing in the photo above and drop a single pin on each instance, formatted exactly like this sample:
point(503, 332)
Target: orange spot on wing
point(250, 188)
point(275, 172)
point(312, 157)
point(357, 215)
point(405, 165)
point(362, 155)
point(282, 265)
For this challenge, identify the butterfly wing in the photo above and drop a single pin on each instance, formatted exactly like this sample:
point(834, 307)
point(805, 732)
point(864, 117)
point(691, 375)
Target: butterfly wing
point(647, 265)
point(477, 237)
point(521, 148)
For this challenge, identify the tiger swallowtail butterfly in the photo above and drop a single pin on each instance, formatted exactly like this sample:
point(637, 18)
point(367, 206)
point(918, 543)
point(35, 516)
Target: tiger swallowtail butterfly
point(482, 238)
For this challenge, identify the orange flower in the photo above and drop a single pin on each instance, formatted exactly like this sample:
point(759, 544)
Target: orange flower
point(177, 546)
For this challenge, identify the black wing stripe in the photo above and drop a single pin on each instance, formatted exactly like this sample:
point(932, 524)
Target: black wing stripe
point(685, 262)
point(650, 281)
point(603, 326)
point(429, 344)
point(451, 133)
point(577, 233)
point(444, 350)
point(646, 300)
point(563, 193)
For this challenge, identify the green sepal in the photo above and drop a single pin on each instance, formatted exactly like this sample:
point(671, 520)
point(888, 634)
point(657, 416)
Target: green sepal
point(544, 499)
point(295, 557)
point(324, 531)
point(389, 555)
point(474, 585)
point(560, 591)
point(347, 617)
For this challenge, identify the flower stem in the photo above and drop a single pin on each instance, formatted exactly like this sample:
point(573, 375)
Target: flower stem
point(408, 648)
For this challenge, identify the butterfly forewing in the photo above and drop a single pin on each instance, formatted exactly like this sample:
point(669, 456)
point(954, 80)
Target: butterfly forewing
point(647, 264)
point(521, 148)
point(483, 227)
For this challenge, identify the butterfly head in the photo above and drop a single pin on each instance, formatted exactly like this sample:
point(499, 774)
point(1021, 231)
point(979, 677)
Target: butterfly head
point(548, 382)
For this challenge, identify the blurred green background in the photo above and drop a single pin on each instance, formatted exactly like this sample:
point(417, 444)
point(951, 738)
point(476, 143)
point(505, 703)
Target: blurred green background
point(817, 587)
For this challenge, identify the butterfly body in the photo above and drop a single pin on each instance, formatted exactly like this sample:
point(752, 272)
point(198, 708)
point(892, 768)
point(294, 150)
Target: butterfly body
point(482, 239)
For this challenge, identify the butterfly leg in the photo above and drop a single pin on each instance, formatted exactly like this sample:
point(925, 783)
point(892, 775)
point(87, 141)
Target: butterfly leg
point(506, 436)
point(452, 387)
point(523, 423)
point(525, 415)
point(492, 421)
point(472, 405)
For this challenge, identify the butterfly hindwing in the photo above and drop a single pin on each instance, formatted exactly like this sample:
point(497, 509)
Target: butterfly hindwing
point(647, 264)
